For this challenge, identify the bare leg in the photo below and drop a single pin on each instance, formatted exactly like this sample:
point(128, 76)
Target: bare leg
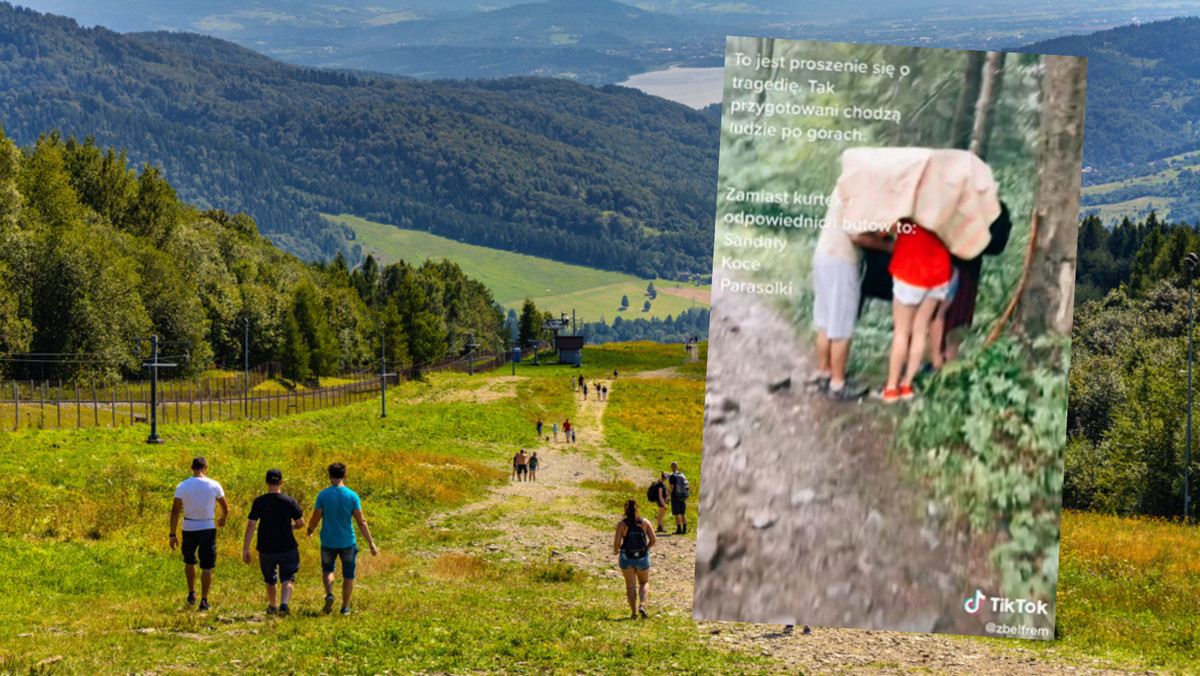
point(902, 321)
point(839, 352)
point(824, 359)
point(661, 510)
point(920, 327)
point(347, 590)
point(189, 571)
point(205, 582)
point(937, 336)
point(271, 595)
point(327, 578)
point(285, 595)
point(631, 589)
point(643, 578)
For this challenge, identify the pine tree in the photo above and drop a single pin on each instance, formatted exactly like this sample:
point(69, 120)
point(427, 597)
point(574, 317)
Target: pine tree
point(624, 302)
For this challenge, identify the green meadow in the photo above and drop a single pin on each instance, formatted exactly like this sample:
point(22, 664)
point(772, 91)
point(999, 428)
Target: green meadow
point(555, 287)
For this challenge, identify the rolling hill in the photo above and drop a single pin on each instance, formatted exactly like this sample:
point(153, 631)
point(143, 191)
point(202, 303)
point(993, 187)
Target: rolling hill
point(608, 178)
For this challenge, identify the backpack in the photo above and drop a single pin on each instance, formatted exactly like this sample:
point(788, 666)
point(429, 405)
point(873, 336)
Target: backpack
point(1000, 230)
point(682, 489)
point(635, 539)
point(652, 492)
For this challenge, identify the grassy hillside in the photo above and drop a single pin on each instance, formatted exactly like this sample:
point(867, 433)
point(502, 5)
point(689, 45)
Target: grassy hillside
point(513, 277)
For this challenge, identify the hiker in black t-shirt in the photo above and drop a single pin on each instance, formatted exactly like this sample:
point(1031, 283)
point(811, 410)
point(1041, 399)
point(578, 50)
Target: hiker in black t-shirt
point(634, 538)
point(276, 516)
point(657, 494)
point(679, 495)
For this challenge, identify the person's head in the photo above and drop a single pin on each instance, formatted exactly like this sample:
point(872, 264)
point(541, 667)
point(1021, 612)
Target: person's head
point(674, 467)
point(534, 454)
point(274, 478)
point(199, 465)
point(631, 511)
point(337, 471)
point(662, 476)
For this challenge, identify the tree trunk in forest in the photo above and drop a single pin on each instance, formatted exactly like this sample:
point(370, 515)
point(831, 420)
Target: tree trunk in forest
point(960, 132)
point(989, 92)
point(1048, 299)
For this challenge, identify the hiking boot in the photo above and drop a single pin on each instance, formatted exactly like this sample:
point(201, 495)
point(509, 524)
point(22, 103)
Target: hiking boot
point(328, 604)
point(271, 610)
point(284, 610)
point(191, 599)
point(642, 612)
point(660, 529)
point(345, 610)
point(847, 392)
point(678, 530)
point(203, 605)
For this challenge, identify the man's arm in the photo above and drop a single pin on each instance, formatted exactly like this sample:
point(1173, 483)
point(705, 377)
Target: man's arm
point(250, 524)
point(314, 520)
point(362, 526)
point(224, 511)
point(176, 510)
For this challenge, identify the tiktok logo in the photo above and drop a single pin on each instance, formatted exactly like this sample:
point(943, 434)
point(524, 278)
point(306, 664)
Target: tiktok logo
point(973, 604)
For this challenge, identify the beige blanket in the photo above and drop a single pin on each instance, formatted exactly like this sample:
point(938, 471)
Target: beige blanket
point(951, 193)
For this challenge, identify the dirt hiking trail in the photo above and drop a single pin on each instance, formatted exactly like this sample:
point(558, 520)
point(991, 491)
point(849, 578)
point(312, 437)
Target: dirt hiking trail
point(580, 532)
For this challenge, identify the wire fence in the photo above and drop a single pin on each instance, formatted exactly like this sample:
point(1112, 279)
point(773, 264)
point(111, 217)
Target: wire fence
point(59, 404)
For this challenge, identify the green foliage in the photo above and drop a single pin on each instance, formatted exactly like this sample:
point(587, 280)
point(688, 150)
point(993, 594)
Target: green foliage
point(988, 432)
point(529, 325)
point(542, 166)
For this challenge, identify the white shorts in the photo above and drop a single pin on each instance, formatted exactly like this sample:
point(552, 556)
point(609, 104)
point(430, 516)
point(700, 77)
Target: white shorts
point(907, 294)
point(836, 289)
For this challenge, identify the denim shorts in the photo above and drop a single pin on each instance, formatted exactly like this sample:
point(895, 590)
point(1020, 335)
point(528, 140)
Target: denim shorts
point(329, 558)
point(642, 563)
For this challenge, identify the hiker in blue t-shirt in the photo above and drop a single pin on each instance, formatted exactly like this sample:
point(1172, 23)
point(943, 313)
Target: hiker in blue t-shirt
point(339, 506)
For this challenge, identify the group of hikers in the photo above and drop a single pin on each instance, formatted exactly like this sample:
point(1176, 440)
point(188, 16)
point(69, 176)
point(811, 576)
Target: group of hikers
point(274, 515)
point(932, 293)
point(635, 536)
point(525, 466)
point(567, 429)
point(953, 205)
point(598, 388)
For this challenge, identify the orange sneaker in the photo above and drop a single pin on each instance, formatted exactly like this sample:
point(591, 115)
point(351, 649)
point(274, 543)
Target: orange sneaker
point(889, 395)
point(906, 393)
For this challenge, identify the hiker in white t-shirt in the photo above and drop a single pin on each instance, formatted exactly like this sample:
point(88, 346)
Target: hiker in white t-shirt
point(196, 500)
point(837, 288)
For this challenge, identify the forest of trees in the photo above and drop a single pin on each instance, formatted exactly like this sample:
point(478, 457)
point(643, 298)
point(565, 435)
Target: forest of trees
point(1127, 416)
point(605, 177)
point(94, 254)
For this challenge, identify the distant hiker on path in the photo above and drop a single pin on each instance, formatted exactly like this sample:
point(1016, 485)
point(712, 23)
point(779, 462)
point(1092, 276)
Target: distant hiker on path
point(604, 395)
point(520, 466)
point(539, 428)
point(341, 509)
point(614, 374)
point(533, 465)
point(634, 538)
point(680, 491)
point(657, 495)
point(275, 516)
point(554, 428)
point(567, 427)
point(196, 500)
point(585, 391)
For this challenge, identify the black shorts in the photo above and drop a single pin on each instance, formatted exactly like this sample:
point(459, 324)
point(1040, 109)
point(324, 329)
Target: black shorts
point(678, 505)
point(202, 543)
point(288, 564)
point(521, 469)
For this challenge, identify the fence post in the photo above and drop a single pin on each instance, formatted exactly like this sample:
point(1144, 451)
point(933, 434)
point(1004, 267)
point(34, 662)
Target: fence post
point(191, 398)
point(175, 390)
point(16, 406)
point(114, 405)
point(78, 408)
point(58, 405)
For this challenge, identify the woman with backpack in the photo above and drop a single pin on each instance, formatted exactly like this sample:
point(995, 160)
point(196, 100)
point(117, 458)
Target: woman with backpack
point(657, 495)
point(533, 465)
point(632, 544)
